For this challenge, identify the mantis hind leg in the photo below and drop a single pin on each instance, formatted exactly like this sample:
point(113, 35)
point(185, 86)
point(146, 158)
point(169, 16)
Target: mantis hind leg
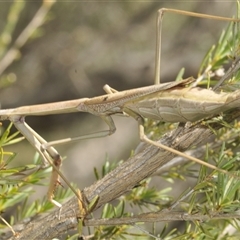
point(143, 137)
point(160, 14)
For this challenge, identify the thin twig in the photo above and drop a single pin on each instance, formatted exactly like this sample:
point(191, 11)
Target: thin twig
point(35, 23)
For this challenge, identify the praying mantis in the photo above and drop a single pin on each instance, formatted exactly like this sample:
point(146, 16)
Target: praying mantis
point(170, 102)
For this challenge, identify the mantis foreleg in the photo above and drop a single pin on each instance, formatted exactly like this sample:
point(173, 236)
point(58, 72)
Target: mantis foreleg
point(50, 155)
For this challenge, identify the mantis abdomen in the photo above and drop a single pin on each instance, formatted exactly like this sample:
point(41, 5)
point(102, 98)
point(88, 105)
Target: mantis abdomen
point(183, 104)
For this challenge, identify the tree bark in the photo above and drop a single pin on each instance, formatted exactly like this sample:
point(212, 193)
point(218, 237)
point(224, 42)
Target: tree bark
point(120, 180)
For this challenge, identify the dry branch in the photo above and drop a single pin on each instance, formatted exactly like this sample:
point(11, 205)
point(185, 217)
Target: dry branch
point(120, 181)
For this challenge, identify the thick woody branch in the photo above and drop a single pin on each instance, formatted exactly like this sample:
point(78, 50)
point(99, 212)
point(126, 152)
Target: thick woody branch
point(119, 181)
